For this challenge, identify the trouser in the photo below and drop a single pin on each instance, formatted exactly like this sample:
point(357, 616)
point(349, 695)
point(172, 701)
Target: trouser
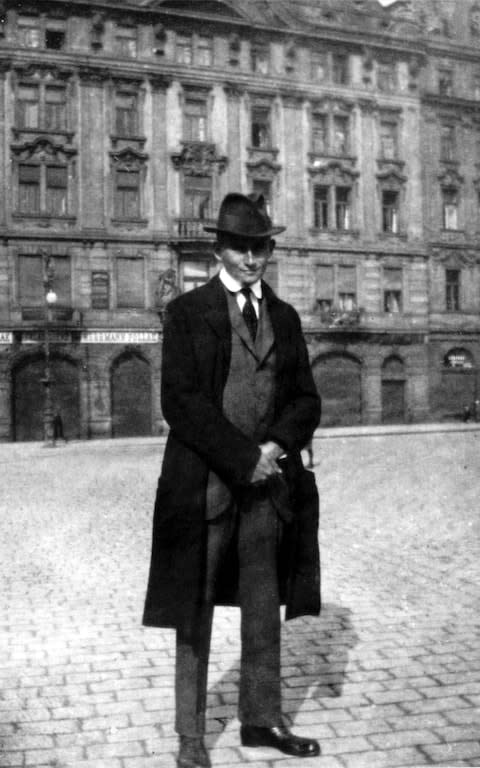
point(256, 529)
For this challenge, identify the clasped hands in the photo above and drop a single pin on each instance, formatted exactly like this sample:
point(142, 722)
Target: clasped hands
point(267, 463)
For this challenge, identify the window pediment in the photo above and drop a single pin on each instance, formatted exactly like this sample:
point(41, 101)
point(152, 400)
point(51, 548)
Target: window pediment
point(41, 149)
point(333, 172)
point(450, 177)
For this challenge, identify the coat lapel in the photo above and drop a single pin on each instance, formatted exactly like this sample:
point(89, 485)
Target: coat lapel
point(216, 314)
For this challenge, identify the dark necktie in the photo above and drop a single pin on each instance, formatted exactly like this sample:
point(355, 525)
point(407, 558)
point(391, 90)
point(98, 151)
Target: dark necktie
point(249, 314)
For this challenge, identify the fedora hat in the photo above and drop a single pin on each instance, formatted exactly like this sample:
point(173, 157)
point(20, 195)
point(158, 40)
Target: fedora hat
point(244, 216)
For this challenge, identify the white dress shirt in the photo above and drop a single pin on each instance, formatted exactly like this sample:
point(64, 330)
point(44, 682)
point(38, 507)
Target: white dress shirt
point(235, 287)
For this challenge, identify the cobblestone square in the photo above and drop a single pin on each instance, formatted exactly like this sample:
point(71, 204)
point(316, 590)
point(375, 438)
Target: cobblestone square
point(389, 675)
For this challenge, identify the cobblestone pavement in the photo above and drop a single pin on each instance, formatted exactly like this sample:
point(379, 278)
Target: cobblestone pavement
point(389, 675)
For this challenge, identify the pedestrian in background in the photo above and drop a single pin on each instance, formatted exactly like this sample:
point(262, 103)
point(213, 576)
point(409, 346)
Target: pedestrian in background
point(236, 513)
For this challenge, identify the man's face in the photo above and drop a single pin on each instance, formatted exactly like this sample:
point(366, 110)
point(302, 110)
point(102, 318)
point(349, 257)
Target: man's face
point(245, 259)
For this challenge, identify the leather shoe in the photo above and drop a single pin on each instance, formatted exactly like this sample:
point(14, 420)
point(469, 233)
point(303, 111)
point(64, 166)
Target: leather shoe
point(192, 753)
point(278, 737)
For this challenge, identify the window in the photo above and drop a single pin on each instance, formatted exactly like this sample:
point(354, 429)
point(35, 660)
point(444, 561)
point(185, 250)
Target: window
point(330, 134)
point(452, 290)
point(195, 120)
point(390, 211)
point(392, 294)
point(55, 108)
point(476, 86)
point(43, 189)
point(264, 187)
point(54, 39)
point(40, 106)
point(127, 194)
point(100, 290)
point(130, 282)
point(319, 133)
point(184, 49)
point(388, 140)
point(261, 136)
point(340, 135)
point(324, 286)
point(447, 142)
point(126, 42)
point(29, 188)
point(56, 190)
point(204, 52)
point(445, 82)
point(386, 77)
point(320, 207)
point(319, 67)
point(342, 207)
point(450, 208)
point(126, 114)
point(194, 274)
point(347, 288)
point(197, 193)
point(28, 106)
point(31, 290)
point(340, 74)
point(29, 31)
point(259, 59)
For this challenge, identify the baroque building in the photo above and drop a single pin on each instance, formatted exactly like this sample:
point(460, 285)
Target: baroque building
point(123, 124)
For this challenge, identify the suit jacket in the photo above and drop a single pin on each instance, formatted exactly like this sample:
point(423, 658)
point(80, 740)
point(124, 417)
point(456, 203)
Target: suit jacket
point(196, 359)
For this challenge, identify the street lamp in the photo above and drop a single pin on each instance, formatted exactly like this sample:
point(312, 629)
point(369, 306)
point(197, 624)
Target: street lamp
point(47, 381)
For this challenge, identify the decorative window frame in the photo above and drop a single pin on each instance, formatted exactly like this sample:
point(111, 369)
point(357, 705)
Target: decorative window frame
point(133, 87)
point(38, 152)
point(330, 108)
point(335, 174)
point(128, 159)
point(451, 179)
point(42, 76)
point(392, 180)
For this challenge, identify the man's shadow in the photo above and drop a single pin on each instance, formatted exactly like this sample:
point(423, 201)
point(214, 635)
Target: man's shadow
point(315, 653)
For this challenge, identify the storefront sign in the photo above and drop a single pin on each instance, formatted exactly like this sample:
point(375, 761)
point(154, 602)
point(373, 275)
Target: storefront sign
point(458, 359)
point(54, 337)
point(6, 337)
point(120, 337)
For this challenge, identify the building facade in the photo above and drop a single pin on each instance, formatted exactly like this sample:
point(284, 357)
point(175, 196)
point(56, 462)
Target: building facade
point(123, 124)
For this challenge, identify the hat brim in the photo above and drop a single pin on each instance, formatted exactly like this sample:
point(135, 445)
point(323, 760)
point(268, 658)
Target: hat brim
point(258, 236)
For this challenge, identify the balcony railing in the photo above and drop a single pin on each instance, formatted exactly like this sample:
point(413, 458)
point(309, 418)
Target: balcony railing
point(191, 228)
point(57, 314)
point(336, 317)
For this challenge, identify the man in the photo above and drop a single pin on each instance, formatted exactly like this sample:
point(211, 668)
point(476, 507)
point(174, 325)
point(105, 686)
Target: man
point(236, 514)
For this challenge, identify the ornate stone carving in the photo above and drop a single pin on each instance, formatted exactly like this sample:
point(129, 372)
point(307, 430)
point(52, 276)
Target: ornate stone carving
point(41, 148)
point(334, 171)
point(128, 159)
point(263, 169)
point(450, 177)
point(198, 159)
point(97, 31)
point(166, 290)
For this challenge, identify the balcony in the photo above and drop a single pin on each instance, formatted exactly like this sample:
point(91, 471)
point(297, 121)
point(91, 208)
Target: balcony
point(57, 315)
point(193, 229)
point(336, 317)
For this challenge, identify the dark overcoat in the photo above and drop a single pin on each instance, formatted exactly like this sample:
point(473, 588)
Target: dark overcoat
point(196, 360)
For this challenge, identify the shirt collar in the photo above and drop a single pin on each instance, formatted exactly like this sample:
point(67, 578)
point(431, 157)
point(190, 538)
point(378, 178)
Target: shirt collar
point(234, 286)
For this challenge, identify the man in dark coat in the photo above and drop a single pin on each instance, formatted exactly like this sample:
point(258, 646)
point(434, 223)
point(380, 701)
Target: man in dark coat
point(236, 514)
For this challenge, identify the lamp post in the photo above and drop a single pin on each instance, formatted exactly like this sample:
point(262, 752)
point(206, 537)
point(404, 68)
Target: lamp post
point(47, 381)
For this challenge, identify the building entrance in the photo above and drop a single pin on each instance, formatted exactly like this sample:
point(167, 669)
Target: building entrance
point(338, 380)
point(131, 397)
point(29, 398)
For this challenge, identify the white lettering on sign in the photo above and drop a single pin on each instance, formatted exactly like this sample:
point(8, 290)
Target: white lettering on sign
point(6, 337)
point(120, 337)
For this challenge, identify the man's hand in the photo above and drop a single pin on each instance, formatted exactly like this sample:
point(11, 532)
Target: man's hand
point(267, 463)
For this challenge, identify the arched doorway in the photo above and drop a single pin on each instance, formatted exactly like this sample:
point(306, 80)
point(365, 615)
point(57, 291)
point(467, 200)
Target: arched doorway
point(393, 391)
point(338, 380)
point(29, 397)
point(457, 386)
point(131, 396)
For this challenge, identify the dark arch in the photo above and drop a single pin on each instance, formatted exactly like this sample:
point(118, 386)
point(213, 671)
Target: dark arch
point(459, 358)
point(131, 390)
point(28, 396)
point(338, 378)
point(393, 367)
